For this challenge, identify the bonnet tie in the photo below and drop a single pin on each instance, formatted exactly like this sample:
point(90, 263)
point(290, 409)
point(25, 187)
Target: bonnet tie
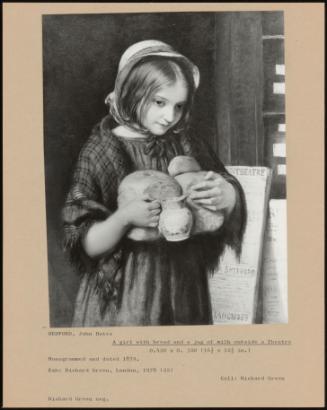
point(156, 146)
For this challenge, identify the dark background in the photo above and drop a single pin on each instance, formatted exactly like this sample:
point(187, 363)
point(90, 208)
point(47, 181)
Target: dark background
point(80, 59)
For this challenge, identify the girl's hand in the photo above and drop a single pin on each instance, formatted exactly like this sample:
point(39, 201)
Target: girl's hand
point(214, 193)
point(143, 213)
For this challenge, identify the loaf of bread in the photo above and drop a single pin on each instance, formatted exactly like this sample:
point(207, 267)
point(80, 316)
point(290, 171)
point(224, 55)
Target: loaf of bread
point(181, 164)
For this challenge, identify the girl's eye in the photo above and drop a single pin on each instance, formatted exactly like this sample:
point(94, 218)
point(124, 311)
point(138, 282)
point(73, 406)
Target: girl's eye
point(179, 107)
point(159, 103)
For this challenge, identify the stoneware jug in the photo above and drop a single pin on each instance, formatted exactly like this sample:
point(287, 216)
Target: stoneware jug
point(176, 219)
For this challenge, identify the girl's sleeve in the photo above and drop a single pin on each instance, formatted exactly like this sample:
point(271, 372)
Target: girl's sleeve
point(84, 206)
point(232, 231)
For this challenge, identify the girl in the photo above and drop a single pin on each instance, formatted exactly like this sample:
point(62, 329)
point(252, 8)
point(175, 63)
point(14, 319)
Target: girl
point(145, 283)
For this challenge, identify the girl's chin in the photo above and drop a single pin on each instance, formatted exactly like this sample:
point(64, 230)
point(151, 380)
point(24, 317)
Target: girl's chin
point(158, 134)
point(159, 130)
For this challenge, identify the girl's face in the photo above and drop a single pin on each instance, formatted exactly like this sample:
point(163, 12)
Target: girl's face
point(166, 108)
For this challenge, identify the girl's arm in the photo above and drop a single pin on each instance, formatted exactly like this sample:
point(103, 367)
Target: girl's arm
point(104, 236)
point(92, 225)
point(220, 191)
point(234, 204)
point(215, 193)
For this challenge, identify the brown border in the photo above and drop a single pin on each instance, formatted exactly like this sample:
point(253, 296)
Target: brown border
point(26, 341)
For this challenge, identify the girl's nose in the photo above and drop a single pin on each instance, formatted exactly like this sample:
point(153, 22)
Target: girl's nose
point(169, 114)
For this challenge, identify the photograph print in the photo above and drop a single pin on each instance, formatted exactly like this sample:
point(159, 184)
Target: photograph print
point(165, 168)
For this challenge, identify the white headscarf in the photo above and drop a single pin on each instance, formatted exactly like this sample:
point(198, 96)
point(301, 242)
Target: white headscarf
point(131, 57)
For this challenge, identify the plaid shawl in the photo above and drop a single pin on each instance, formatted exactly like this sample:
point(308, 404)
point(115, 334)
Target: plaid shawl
point(101, 165)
